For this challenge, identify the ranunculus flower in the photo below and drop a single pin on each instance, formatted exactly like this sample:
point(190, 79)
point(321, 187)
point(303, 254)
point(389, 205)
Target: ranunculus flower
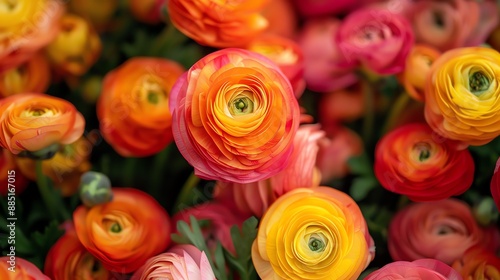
point(344, 105)
point(27, 26)
point(411, 160)
point(68, 259)
point(147, 11)
point(452, 24)
point(124, 233)
point(9, 170)
point(377, 39)
point(418, 65)
point(281, 17)
point(218, 24)
point(318, 231)
point(335, 151)
point(133, 106)
point(478, 263)
point(220, 220)
point(425, 269)
point(316, 8)
point(286, 54)
point(442, 230)
point(234, 116)
point(495, 185)
point(325, 68)
point(76, 48)
point(253, 199)
point(33, 121)
point(181, 262)
point(32, 76)
point(23, 270)
point(65, 168)
point(462, 95)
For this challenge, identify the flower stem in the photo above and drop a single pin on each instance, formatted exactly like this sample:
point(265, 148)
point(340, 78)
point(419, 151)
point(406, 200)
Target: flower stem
point(186, 192)
point(157, 173)
point(50, 196)
point(369, 120)
point(396, 111)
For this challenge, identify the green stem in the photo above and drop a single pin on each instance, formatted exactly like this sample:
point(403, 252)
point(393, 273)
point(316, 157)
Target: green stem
point(157, 173)
point(186, 192)
point(50, 196)
point(396, 110)
point(167, 39)
point(128, 171)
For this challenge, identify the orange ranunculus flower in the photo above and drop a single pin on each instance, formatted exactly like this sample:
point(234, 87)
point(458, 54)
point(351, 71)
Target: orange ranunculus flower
point(68, 259)
point(478, 264)
point(234, 116)
point(318, 231)
point(16, 268)
point(65, 168)
point(418, 65)
point(33, 121)
point(26, 26)
point(133, 107)
point(281, 17)
point(462, 95)
point(286, 54)
point(218, 23)
point(253, 199)
point(125, 232)
point(76, 48)
point(412, 161)
point(11, 180)
point(441, 230)
point(32, 76)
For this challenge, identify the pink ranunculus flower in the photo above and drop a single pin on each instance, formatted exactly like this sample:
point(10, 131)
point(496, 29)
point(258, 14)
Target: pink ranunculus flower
point(181, 262)
point(441, 230)
point(308, 8)
point(234, 116)
point(452, 24)
point(495, 185)
point(254, 199)
point(335, 151)
point(377, 39)
point(424, 269)
point(219, 219)
point(325, 67)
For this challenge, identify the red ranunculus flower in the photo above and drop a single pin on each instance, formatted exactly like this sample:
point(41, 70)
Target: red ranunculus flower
point(414, 161)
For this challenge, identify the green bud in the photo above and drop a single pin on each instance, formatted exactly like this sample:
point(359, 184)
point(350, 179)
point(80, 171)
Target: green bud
point(95, 188)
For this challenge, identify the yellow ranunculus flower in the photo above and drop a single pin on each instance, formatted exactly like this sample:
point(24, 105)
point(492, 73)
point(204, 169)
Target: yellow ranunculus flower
point(316, 233)
point(462, 95)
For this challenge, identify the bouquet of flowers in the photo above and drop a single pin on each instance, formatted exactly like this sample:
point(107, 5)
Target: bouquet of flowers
point(246, 140)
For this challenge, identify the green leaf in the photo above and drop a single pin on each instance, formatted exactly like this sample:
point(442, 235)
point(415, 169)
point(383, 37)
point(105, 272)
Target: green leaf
point(243, 240)
point(362, 186)
point(44, 240)
point(360, 165)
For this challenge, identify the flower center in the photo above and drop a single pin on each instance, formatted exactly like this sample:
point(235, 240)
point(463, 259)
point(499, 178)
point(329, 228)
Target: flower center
point(241, 106)
point(478, 82)
point(115, 228)
point(151, 91)
point(8, 5)
point(316, 245)
point(423, 151)
point(437, 16)
point(37, 112)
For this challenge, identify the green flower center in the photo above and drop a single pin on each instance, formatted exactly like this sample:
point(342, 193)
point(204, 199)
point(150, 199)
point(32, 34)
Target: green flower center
point(423, 151)
point(316, 245)
point(478, 82)
point(115, 228)
point(241, 106)
point(153, 97)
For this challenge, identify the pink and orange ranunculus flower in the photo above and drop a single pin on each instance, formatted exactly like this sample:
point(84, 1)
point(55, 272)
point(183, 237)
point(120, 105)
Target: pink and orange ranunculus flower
point(441, 230)
point(33, 121)
point(478, 264)
point(234, 117)
point(181, 262)
point(23, 270)
point(411, 160)
point(425, 269)
point(318, 231)
point(217, 23)
point(68, 259)
point(462, 95)
point(123, 233)
point(27, 26)
point(253, 199)
point(133, 106)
